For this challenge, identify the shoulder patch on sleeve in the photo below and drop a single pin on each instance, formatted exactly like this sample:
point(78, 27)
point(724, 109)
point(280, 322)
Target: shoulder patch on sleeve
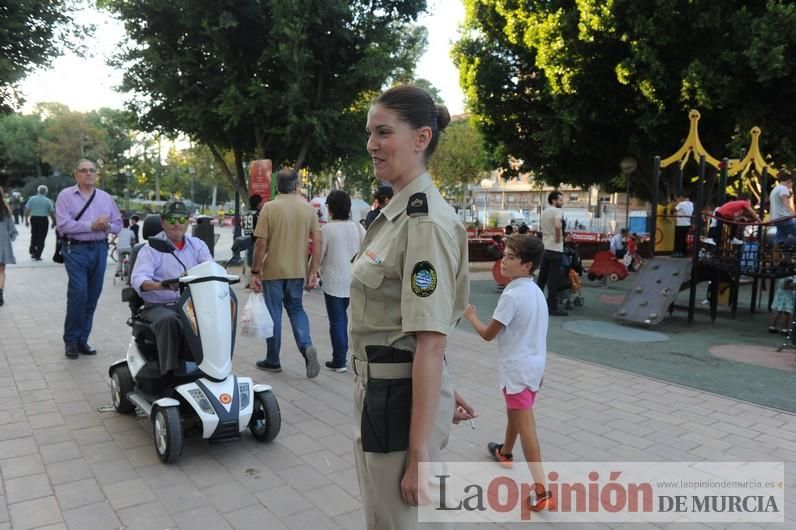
point(417, 205)
point(424, 279)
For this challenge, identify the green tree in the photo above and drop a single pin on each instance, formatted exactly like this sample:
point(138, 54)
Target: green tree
point(460, 159)
point(70, 136)
point(32, 33)
point(282, 79)
point(19, 136)
point(118, 128)
point(572, 87)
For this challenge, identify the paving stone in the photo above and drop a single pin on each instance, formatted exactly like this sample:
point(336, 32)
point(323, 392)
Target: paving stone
point(18, 447)
point(283, 501)
point(128, 493)
point(332, 500)
point(35, 513)
point(200, 519)
point(303, 477)
point(21, 466)
point(58, 452)
point(149, 516)
point(78, 493)
point(181, 496)
point(94, 516)
point(311, 519)
point(102, 452)
point(91, 435)
point(229, 497)
point(253, 518)
point(52, 435)
point(68, 471)
point(113, 471)
point(27, 488)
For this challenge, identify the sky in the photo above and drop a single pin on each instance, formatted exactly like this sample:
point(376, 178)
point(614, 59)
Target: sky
point(86, 84)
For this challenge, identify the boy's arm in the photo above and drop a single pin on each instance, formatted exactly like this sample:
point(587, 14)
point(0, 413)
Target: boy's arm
point(487, 332)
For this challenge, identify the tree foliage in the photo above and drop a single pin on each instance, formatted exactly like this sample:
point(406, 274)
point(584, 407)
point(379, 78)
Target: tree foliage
point(32, 33)
point(570, 87)
point(460, 159)
point(282, 79)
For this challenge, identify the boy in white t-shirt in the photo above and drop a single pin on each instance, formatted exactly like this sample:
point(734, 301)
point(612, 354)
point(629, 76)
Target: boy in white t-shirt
point(124, 245)
point(520, 325)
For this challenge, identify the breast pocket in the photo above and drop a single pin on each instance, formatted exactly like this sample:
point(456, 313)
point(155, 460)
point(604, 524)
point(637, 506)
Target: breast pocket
point(370, 306)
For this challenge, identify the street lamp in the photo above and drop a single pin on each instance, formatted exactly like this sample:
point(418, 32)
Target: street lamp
point(127, 174)
point(486, 185)
point(236, 259)
point(192, 172)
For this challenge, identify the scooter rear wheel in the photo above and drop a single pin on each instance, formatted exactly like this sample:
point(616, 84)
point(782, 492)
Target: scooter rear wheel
point(121, 385)
point(167, 430)
point(266, 418)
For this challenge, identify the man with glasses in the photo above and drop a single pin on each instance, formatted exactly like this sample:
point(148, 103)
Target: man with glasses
point(85, 215)
point(152, 268)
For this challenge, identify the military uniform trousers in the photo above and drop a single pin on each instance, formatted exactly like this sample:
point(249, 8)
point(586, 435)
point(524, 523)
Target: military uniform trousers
point(380, 474)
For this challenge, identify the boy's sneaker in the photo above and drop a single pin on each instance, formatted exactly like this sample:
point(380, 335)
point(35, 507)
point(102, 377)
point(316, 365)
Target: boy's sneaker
point(736, 241)
point(709, 241)
point(537, 502)
point(495, 451)
point(339, 368)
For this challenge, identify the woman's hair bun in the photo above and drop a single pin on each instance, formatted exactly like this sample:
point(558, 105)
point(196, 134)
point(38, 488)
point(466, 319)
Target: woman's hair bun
point(443, 117)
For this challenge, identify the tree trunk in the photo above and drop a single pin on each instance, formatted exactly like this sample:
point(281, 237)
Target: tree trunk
point(231, 178)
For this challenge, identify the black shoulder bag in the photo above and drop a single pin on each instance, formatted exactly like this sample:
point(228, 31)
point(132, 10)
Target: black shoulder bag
point(61, 241)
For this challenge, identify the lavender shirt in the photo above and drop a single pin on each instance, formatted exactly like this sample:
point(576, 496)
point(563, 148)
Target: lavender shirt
point(69, 203)
point(158, 266)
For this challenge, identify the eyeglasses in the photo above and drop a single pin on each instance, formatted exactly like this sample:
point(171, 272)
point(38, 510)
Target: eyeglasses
point(177, 219)
point(87, 170)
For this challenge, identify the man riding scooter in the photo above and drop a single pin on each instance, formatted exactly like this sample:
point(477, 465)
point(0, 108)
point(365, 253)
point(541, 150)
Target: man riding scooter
point(152, 268)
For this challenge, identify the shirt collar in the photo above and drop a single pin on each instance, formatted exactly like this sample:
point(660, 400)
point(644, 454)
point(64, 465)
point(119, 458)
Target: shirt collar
point(399, 202)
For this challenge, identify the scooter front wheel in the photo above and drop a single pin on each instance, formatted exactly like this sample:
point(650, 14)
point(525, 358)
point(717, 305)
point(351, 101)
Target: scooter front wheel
point(167, 430)
point(266, 418)
point(121, 385)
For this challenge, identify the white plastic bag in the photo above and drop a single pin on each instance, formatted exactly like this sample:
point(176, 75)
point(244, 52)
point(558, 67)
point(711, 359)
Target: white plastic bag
point(255, 320)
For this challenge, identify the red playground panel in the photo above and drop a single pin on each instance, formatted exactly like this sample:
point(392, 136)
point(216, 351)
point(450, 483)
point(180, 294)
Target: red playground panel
point(605, 265)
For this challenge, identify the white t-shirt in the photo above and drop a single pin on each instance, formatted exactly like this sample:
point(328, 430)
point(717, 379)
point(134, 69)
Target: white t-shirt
point(778, 210)
point(124, 241)
point(684, 210)
point(522, 343)
point(547, 224)
point(340, 241)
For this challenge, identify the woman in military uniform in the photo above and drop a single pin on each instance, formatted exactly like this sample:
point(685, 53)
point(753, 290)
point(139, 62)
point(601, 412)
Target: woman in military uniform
point(410, 286)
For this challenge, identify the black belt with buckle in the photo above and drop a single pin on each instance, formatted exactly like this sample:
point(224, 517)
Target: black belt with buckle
point(81, 242)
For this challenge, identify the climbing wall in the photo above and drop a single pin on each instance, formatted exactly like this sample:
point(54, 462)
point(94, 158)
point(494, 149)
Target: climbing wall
point(656, 288)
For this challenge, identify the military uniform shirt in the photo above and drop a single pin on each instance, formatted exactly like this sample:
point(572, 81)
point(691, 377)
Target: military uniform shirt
point(411, 273)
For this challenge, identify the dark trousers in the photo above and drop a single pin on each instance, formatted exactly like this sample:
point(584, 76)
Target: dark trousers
point(336, 308)
point(549, 275)
point(681, 239)
point(85, 266)
point(165, 323)
point(18, 214)
point(39, 226)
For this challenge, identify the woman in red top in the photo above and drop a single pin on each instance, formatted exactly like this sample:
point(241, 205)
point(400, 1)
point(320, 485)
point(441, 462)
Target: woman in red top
point(738, 210)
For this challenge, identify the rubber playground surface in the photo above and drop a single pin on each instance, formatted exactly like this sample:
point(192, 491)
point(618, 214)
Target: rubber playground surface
point(733, 358)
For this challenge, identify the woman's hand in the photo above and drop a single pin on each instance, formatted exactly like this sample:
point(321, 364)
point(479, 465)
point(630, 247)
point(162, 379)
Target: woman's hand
point(414, 485)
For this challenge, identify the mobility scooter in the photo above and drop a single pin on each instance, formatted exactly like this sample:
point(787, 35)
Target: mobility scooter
point(202, 396)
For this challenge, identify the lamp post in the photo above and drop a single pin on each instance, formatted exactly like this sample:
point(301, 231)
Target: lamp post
point(192, 172)
point(236, 259)
point(127, 174)
point(486, 185)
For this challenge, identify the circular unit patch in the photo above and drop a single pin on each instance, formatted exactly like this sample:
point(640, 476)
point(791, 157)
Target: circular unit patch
point(424, 279)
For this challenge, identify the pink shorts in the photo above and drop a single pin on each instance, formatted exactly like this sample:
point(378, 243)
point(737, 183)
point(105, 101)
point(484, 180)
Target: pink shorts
point(523, 400)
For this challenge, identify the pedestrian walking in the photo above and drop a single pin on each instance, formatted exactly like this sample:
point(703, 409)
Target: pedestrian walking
point(279, 267)
point(85, 216)
point(410, 285)
point(124, 240)
point(519, 324)
point(17, 204)
point(381, 198)
point(8, 233)
point(684, 211)
point(341, 239)
point(37, 211)
point(553, 239)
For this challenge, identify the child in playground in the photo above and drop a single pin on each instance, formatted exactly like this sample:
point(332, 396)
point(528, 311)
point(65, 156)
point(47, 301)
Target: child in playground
point(783, 306)
point(520, 325)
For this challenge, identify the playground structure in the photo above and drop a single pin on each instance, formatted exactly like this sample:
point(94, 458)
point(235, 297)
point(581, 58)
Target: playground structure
point(724, 264)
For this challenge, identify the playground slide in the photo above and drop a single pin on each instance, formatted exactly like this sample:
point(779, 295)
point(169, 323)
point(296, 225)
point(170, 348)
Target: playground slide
point(656, 288)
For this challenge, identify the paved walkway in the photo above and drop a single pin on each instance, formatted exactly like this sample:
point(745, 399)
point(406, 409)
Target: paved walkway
point(65, 465)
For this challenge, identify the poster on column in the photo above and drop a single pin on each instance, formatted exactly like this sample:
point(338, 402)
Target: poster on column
point(260, 178)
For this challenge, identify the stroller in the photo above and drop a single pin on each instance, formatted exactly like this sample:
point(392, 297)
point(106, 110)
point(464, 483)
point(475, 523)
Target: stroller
point(569, 294)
